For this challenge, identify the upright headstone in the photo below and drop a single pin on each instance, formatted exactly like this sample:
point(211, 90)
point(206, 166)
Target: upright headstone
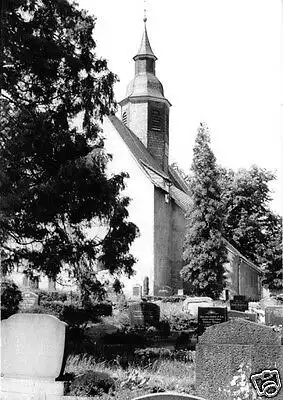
point(137, 292)
point(228, 355)
point(268, 302)
point(208, 316)
point(274, 315)
point(144, 313)
point(146, 286)
point(31, 357)
point(239, 303)
point(30, 300)
point(239, 314)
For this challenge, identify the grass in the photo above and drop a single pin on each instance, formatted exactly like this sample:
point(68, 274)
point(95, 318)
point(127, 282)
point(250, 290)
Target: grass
point(162, 375)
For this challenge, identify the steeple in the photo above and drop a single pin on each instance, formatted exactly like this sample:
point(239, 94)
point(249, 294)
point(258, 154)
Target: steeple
point(145, 48)
point(145, 110)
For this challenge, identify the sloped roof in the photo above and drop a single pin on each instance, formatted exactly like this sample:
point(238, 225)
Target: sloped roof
point(172, 183)
point(136, 147)
point(236, 252)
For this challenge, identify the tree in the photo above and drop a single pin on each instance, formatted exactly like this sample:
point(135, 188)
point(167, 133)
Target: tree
point(249, 223)
point(54, 188)
point(204, 248)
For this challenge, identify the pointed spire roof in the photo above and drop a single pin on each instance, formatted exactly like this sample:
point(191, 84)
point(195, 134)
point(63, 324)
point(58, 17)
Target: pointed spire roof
point(145, 48)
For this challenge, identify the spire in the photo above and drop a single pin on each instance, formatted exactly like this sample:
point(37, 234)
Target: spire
point(145, 48)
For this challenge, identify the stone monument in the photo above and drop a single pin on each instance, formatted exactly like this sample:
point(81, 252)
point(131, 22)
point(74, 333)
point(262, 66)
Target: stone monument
point(230, 354)
point(31, 357)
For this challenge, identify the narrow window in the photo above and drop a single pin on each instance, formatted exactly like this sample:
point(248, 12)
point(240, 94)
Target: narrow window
point(156, 120)
point(124, 117)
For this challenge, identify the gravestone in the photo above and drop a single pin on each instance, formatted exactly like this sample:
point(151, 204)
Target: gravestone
point(228, 355)
point(274, 315)
point(31, 357)
point(168, 396)
point(146, 286)
point(239, 303)
point(268, 302)
point(30, 299)
point(208, 316)
point(137, 291)
point(191, 304)
point(165, 291)
point(144, 313)
point(238, 314)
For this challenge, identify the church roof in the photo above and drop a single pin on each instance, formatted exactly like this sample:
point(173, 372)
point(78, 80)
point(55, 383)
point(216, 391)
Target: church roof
point(170, 183)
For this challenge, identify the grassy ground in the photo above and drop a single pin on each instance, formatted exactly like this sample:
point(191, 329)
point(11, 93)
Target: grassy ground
point(160, 376)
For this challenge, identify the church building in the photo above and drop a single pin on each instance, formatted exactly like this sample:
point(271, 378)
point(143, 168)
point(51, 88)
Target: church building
point(139, 142)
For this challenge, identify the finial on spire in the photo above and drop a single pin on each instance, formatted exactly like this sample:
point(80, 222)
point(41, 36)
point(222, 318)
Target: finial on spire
point(144, 12)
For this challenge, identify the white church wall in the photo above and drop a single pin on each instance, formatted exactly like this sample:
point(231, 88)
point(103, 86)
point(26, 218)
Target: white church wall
point(141, 209)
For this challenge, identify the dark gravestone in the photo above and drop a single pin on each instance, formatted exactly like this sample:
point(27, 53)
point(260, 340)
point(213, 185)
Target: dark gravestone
point(208, 316)
point(274, 315)
point(238, 314)
point(228, 354)
point(30, 300)
point(146, 286)
point(144, 313)
point(239, 303)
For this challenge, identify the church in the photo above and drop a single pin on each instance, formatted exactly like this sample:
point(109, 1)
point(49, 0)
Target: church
point(139, 143)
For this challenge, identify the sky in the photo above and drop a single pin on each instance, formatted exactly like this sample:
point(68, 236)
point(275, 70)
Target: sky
point(219, 61)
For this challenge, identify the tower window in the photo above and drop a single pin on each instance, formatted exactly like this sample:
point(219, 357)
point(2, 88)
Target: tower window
point(125, 118)
point(156, 120)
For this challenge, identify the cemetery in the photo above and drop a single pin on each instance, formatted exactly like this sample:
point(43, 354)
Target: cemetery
point(141, 348)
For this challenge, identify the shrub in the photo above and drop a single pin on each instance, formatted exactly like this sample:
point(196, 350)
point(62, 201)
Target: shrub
point(45, 296)
point(91, 383)
point(149, 355)
point(11, 297)
point(181, 322)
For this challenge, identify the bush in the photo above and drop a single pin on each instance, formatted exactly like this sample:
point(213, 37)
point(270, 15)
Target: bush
point(11, 297)
point(149, 355)
point(91, 383)
point(181, 322)
point(45, 296)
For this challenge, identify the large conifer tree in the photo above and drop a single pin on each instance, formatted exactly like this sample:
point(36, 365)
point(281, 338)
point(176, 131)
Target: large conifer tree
point(204, 249)
point(53, 181)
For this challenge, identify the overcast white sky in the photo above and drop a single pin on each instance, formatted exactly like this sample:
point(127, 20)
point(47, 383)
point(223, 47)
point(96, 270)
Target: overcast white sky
point(218, 61)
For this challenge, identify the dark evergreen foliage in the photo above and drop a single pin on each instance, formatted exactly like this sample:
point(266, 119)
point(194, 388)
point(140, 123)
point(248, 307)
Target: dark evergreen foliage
point(204, 249)
point(53, 181)
point(249, 223)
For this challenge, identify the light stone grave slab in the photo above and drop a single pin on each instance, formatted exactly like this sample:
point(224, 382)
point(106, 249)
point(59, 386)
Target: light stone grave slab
point(31, 357)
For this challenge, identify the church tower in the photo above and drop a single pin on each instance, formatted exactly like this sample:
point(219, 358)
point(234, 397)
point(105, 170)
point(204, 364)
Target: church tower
point(145, 110)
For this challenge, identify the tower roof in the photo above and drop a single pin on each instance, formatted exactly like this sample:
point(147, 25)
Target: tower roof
point(145, 48)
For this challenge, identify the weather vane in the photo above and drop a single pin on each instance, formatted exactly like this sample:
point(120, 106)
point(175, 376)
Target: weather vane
point(144, 11)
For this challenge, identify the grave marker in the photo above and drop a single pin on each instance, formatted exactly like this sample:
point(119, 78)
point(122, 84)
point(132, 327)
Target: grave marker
point(30, 299)
point(32, 357)
point(239, 303)
point(144, 313)
point(238, 314)
point(208, 316)
point(137, 291)
point(274, 315)
point(229, 354)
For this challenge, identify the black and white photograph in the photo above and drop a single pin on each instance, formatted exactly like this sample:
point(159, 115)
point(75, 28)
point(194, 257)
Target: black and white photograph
point(141, 199)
